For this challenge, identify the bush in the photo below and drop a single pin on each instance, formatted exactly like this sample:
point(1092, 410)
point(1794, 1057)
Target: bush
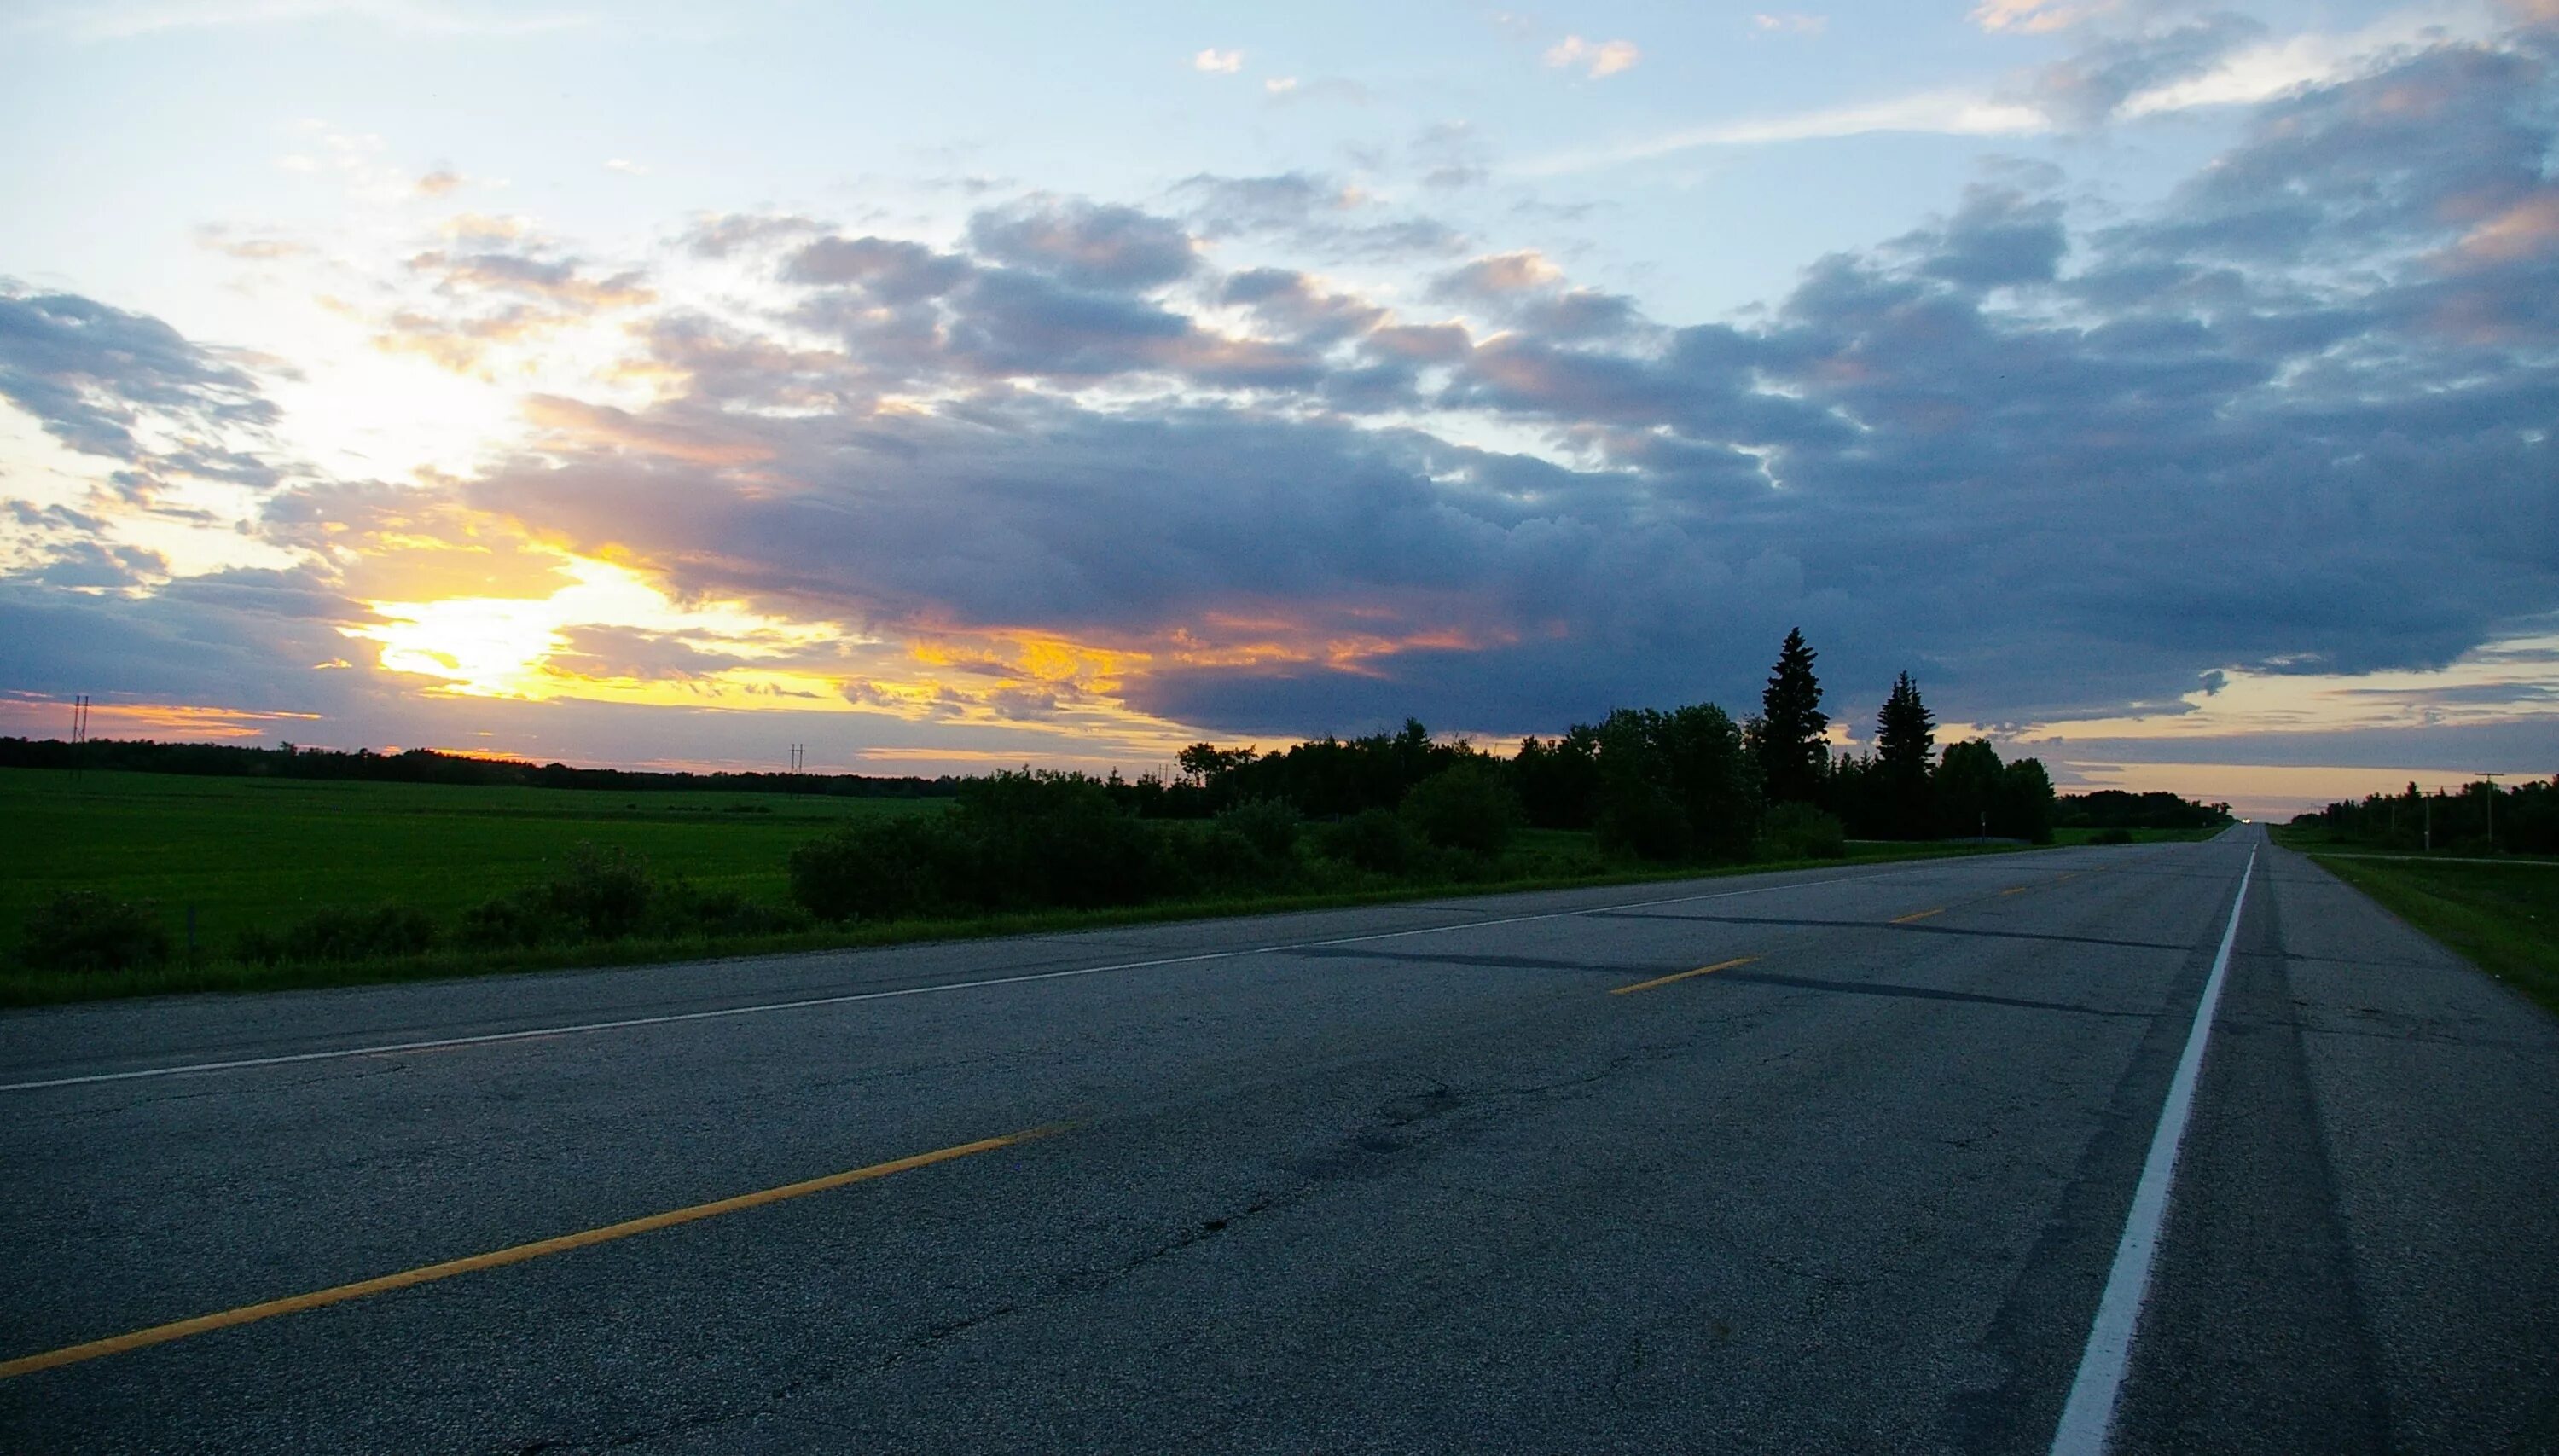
point(1467, 807)
point(2111, 836)
point(345, 934)
point(684, 910)
point(604, 893)
point(513, 921)
point(1057, 839)
point(886, 869)
point(1642, 823)
point(1372, 839)
point(85, 930)
point(1220, 857)
point(1271, 825)
point(1800, 831)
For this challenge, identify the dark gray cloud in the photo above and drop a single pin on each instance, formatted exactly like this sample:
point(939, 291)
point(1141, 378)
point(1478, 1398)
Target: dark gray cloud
point(1087, 245)
point(92, 375)
point(238, 638)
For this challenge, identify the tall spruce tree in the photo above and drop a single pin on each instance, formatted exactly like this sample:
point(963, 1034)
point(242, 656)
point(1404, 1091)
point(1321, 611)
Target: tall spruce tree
point(1906, 740)
point(1792, 751)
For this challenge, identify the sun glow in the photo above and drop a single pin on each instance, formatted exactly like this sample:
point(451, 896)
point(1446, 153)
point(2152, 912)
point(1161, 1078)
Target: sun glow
point(512, 647)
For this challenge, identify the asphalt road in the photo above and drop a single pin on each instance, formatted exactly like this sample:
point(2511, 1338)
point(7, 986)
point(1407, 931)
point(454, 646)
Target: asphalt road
point(1419, 1178)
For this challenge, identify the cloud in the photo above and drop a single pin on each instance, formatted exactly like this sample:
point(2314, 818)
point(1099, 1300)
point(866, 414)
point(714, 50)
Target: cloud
point(2036, 17)
point(1086, 244)
point(1320, 214)
point(262, 248)
point(127, 386)
point(1217, 61)
point(1291, 90)
point(1790, 22)
point(625, 166)
point(1950, 112)
point(1596, 59)
point(501, 284)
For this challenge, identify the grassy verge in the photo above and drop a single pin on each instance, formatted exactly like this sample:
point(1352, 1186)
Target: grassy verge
point(24, 987)
point(2503, 918)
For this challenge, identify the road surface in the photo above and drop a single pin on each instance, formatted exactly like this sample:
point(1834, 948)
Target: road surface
point(1836, 1160)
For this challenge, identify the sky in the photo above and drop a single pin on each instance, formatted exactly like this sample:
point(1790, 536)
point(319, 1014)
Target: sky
point(2169, 388)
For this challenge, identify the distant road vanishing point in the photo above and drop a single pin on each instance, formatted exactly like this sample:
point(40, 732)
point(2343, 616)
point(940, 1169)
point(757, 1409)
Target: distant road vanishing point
point(2086, 1149)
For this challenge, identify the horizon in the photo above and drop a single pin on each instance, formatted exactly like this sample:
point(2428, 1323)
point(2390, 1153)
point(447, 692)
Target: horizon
point(2169, 392)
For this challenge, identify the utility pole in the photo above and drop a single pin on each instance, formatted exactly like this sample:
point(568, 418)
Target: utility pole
point(799, 756)
point(2491, 781)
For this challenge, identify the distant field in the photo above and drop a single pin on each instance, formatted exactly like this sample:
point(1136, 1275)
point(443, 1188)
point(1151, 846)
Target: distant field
point(2503, 918)
point(265, 851)
point(2140, 836)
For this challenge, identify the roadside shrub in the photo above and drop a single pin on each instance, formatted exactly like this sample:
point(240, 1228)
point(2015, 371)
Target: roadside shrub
point(1057, 839)
point(1372, 839)
point(1271, 824)
point(1467, 807)
point(604, 893)
point(87, 930)
point(886, 869)
point(381, 931)
point(1794, 830)
point(510, 921)
point(1641, 823)
point(2111, 836)
point(1220, 856)
point(684, 910)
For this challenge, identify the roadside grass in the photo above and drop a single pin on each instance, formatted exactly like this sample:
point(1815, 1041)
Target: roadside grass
point(2077, 835)
point(440, 848)
point(2503, 918)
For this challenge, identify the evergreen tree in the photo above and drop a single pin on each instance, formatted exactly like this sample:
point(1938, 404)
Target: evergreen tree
point(1792, 751)
point(1906, 740)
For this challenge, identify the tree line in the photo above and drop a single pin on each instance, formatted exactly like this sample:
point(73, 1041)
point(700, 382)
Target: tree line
point(2482, 817)
point(427, 766)
point(1662, 783)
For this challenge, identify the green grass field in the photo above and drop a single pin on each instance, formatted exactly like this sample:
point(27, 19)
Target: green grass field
point(265, 851)
point(262, 853)
point(2503, 917)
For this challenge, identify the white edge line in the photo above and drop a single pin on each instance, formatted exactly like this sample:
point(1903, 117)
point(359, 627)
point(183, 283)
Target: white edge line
point(720, 1013)
point(2088, 1417)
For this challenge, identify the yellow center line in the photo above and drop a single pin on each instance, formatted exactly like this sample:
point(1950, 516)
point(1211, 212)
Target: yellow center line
point(1681, 976)
point(1903, 919)
point(2018, 890)
point(295, 1304)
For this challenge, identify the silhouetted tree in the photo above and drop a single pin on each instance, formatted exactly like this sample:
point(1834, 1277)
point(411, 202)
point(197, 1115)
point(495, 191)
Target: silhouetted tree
point(1559, 779)
point(2023, 807)
point(1788, 732)
point(1966, 781)
point(1904, 740)
point(1676, 783)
